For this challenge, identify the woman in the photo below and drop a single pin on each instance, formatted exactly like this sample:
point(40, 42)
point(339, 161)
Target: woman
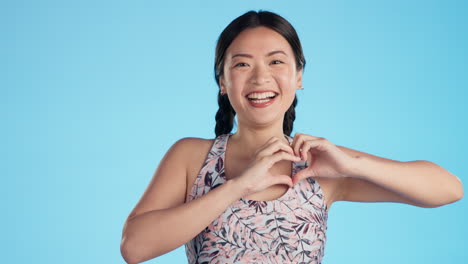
point(259, 195)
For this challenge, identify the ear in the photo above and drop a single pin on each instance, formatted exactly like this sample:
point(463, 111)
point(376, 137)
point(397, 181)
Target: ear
point(222, 85)
point(299, 80)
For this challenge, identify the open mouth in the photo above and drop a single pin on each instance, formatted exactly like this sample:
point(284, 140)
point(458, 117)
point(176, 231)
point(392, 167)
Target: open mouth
point(261, 97)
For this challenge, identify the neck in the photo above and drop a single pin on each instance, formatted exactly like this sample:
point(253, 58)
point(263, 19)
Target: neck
point(249, 139)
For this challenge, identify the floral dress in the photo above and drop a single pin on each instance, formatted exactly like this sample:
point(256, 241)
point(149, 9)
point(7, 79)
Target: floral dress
point(290, 229)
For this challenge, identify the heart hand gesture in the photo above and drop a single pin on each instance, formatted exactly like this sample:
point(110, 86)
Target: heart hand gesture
point(326, 159)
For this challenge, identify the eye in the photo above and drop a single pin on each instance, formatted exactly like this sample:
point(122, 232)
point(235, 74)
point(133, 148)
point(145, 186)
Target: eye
point(276, 62)
point(241, 64)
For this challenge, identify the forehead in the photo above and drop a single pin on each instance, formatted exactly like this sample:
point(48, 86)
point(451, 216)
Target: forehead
point(259, 41)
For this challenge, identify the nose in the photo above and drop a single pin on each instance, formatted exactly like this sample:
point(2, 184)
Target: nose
point(260, 75)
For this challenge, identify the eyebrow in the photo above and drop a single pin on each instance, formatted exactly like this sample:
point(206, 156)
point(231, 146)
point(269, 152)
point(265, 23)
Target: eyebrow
point(250, 56)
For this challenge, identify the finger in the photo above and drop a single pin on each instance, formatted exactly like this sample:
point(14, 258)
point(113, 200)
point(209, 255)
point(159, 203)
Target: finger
point(295, 179)
point(299, 147)
point(295, 144)
point(306, 146)
point(298, 141)
point(282, 179)
point(309, 145)
point(282, 156)
point(305, 173)
point(275, 146)
point(280, 145)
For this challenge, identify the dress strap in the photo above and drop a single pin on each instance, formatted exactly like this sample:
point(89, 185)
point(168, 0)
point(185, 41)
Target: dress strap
point(209, 175)
point(219, 146)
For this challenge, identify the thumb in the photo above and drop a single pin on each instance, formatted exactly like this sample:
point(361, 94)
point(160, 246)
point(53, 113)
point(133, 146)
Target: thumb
point(301, 175)
point(283, 179)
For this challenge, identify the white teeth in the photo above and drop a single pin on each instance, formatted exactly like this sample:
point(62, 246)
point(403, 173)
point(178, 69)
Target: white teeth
point(261, 101)
point(260, 96)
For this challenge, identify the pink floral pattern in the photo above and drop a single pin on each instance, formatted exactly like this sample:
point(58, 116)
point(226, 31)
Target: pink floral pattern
point(290, 229)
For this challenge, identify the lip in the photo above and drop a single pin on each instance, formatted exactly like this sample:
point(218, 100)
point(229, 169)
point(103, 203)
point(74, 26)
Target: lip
point(262, 105)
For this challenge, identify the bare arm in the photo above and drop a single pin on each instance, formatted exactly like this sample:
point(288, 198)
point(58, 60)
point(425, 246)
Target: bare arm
point(157, 232)
point(420, 183)
point(161, 221)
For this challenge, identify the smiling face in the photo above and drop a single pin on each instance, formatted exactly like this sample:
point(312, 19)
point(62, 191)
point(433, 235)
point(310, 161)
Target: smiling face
point(260, 76)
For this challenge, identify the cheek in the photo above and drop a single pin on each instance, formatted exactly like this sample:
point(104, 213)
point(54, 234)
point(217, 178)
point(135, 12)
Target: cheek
point(235, 80)
point(286, 79)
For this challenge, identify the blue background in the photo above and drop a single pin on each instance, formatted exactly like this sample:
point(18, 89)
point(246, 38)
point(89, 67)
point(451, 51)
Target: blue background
point(93, 93)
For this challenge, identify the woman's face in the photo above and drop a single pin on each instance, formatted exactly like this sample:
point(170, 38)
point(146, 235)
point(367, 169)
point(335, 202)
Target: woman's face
point(260, 76)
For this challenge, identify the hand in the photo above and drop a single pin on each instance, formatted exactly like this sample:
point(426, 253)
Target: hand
point(327, 160)
point(257, 176)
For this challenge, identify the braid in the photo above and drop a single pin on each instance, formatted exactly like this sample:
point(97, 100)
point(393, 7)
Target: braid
point(289, 118)
point(225, 116)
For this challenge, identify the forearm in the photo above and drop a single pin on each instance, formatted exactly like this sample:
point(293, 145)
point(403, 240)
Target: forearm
point(157, 232)
point(421, 181)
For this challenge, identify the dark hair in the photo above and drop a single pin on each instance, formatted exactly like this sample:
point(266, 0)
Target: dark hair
point(225, 115)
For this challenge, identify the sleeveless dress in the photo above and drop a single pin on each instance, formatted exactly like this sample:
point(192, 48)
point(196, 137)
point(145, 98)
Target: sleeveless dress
point(290, 229)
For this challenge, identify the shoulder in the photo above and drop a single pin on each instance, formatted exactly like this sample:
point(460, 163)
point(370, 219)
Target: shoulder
point(168, 186)
point(187, 151)
point(192, 143)
point(193, 150)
